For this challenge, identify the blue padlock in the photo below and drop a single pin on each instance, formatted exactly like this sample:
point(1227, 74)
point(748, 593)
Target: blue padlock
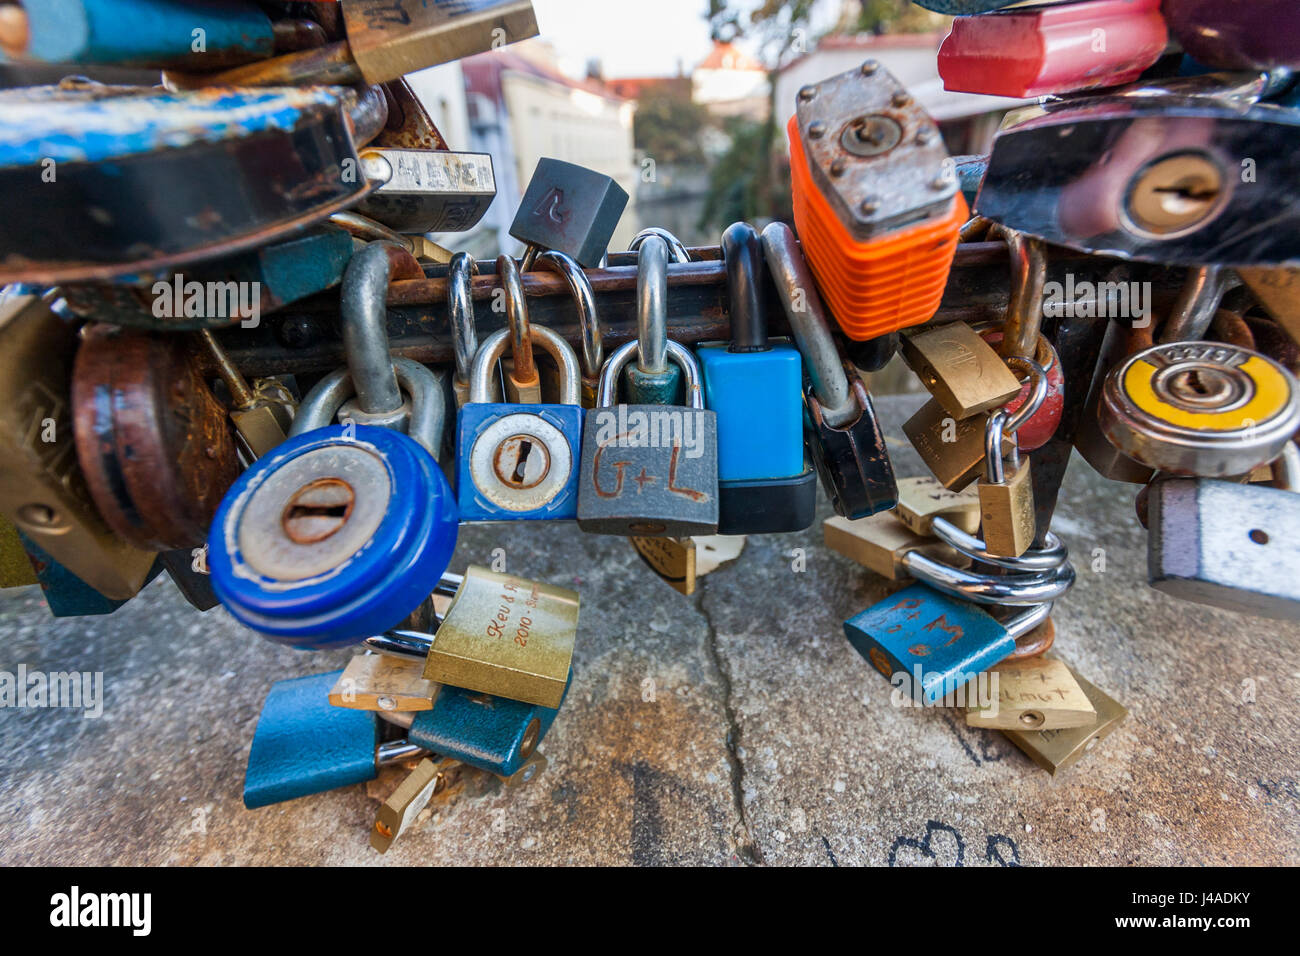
point(519, 461)
point(756, 386)
point(336, 534)
point(303, 744)
point(65, 593)
point(931, 644)
point(495, 734)
point(492, 733)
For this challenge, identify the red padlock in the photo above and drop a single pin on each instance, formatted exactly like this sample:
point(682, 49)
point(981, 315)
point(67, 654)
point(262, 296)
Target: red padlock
point(1042, 425)
point(1056, 49)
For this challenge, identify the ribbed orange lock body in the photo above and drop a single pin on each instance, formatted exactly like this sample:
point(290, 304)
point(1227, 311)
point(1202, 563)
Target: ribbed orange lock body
point(877, 286)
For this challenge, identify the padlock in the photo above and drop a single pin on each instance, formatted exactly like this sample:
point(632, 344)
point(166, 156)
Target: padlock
point(1205, 409)
point(139, 33)
point(262, 413)
point(1260, 35)
point(100, 181)
point(156, 447)
point(652, 379)
point(460, 320)
point(429, 778)
point(219, 293)
point(568, 208)
point(844, 439)
point(931, 645)
point(960, 369)
point(766, 486)
point(882, 543)
point(66, 594)
point(1034, 694)
point(1229, 545)
point(506, 636)
point(953, 449)
point(649, 470)
point(427, 190)
point(303, 745)
point(1053, 49)
point(584, 301)
point(519, 462)
point(383, 682)
point(495, 734)
point(922, 499)
point(1089, 441)
point(16, 569)
point(523, 381)
point(1006, 495)
point(876, 202)
point(677, 250)
point(390, 40)
point(1155, 178)
point(42, 489)
point(1055, 750)
point(681, 562)
point(1040, 427)
point(188, 569)
point(337, 533)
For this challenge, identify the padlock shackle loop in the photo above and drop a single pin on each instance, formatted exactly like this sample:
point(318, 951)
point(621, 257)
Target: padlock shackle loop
point(460, 312)
point(676, 248)
point(396, 751)
point(652, 306)
point(517, 325)
point(994, 469)
point(1028, 257)
point(584, 298)
point(494, 347)
point(1027, 620)
point(1052, 554)
point(742, 258)
point(363, 306)
point(1198, 300)
point(414, 645)
point(1010, 589)
point(812, 332)
point(676, 352)
point(1286, 468)
point(1037, 395)
point(425, 422)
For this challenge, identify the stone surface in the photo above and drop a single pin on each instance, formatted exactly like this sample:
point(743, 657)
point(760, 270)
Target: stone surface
point(733, 727)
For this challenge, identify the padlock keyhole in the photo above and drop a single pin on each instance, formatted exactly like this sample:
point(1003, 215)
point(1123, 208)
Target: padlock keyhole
point(521, 462)
point(317, 510)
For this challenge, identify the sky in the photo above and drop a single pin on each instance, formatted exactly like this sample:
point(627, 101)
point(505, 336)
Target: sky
point(630, 37)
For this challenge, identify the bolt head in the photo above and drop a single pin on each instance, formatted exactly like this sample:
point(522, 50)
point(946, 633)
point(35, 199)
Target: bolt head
point(869, 67)
point(817, 129)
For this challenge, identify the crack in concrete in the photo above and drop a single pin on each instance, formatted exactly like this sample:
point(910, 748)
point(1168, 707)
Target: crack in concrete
point(746, 849)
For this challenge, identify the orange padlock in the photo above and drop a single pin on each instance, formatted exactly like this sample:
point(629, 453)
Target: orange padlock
point(876, 201)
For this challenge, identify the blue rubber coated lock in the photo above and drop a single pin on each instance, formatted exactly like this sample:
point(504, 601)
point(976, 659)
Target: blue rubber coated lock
point(495, 734)
point(920, 635)
point(519, 462)
point(755, 387)
point(336, 534)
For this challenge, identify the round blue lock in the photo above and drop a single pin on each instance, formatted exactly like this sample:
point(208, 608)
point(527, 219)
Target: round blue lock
point(335, 535)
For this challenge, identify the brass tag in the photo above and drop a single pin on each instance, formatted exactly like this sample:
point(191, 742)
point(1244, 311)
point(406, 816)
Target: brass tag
point(921, 500)
point(383, 682)
point(15, 567)
point(673, 559)
point(962, 371)
point(1034, 694)
point(880, 541)
point(413, 795)
point(1007, 513)
point(1054, 750)
point(506, 636)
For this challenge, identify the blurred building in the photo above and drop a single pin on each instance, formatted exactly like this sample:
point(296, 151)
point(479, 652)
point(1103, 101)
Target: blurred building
point(730, 82)
point(967, 121)
point(521, 108)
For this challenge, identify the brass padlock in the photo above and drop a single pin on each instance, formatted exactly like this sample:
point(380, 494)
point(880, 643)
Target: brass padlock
point(384, 682)
point(952, 448)
point(1036, 693)
point(16, 569)
point(922, 499)
point(506, 636)
point(880, 542)
point(1006, 495)
point(429, 778)
point(959, 369)
point(42, 489)
point(680, 562)
point(1055, 750)
point(262, 413)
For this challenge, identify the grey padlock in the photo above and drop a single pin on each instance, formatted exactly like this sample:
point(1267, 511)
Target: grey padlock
point(649, 470)
point(1229, 545)
point(569, 208)
point(427, 190)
